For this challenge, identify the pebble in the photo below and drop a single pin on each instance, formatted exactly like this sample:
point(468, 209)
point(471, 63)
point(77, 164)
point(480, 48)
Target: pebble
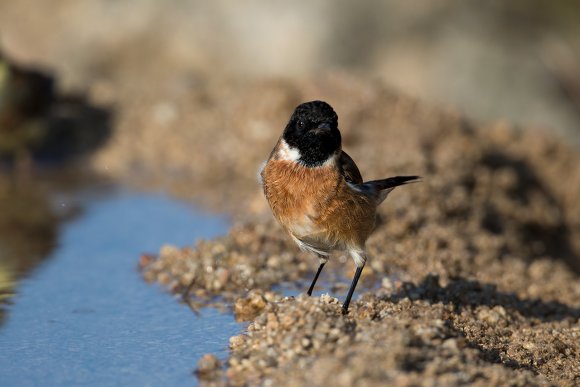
point(208, 367)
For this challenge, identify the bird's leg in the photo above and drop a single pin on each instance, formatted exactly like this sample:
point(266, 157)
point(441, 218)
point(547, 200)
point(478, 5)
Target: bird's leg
point(359, 270)
point(322, 263)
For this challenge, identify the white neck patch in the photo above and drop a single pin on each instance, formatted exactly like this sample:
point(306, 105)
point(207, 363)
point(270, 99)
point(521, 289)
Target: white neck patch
point(286, 152)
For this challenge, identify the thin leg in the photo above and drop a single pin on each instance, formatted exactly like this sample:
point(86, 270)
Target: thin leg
point(352, 287)
point(315, 278)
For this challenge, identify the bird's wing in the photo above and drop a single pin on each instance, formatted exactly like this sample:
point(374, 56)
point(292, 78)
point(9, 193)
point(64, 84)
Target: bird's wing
point(349, 169)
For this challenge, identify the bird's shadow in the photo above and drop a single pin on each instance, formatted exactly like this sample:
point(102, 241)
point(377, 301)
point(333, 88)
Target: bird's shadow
point(463, 293)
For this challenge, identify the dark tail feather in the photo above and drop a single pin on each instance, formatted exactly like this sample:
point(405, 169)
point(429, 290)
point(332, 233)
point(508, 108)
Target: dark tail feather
point(382, 187)
point(393, 182)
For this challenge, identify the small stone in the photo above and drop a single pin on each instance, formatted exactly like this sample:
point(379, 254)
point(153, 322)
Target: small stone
point(220, 280)
point(387, 283)
point(145, 260)
point(237, 341)
point(489, 316)
point(327, 299)
point(169, 251)
point(248, 308)
point(272, 323)
point(529, 346)
point(164, 278)
point(208, 367)
point(451, 344)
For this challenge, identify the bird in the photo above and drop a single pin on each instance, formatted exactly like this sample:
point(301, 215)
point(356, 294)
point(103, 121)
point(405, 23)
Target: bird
point(316, 191)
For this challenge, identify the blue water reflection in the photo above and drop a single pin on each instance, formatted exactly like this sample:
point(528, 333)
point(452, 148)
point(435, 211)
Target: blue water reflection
point(85, 317)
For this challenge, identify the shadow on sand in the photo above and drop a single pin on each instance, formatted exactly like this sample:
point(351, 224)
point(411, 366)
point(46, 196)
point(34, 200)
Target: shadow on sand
point(461, 293)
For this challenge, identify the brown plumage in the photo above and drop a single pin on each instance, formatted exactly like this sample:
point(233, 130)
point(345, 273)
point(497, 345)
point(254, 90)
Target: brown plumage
point(316, 205)
point(316, 191)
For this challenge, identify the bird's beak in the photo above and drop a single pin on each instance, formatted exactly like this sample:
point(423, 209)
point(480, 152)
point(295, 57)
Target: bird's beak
point(322, 127)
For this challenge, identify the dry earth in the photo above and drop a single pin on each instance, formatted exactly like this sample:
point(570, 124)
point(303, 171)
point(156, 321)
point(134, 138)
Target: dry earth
point(477, 265)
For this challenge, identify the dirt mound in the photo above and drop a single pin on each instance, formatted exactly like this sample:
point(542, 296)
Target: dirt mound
point(478, 263)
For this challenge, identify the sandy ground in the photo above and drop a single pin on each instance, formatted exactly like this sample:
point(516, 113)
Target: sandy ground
point(473, 273)
point(477, 265)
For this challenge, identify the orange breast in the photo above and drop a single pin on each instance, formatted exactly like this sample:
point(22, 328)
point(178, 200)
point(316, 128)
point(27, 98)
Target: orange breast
point(317, 203)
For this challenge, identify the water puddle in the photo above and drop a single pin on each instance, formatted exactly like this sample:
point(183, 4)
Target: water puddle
point(84, 316)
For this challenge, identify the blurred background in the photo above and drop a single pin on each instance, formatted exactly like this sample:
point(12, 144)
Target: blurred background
point(516, 60)
point(102, 96)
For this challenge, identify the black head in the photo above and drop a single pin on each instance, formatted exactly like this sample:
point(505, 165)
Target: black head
point(313, 130)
